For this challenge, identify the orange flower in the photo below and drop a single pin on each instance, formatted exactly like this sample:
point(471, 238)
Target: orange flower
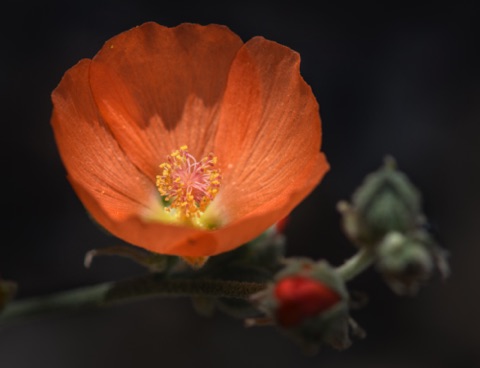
point(186, 141)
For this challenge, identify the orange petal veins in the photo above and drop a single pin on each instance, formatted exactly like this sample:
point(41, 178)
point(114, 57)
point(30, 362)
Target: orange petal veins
point(90, 153)
point(160, 88)
point(269, 133)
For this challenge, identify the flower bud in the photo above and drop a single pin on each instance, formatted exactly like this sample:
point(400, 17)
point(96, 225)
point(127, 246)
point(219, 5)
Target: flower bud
point(386, 201)
point(408, 261)
point(300, 297)
point(309, 302)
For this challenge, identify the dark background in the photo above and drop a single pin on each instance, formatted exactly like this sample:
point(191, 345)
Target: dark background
point(395, 79)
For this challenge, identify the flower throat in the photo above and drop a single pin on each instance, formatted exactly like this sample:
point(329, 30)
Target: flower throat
point(187, 185)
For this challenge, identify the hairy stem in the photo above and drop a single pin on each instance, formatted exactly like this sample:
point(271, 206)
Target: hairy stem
point(107, 294)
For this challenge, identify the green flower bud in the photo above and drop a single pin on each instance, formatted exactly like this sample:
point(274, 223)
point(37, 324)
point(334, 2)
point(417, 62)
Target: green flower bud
point(408, 261)
point(386, 201)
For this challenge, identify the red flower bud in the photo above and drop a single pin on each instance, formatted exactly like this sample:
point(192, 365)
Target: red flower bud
point(301, 297)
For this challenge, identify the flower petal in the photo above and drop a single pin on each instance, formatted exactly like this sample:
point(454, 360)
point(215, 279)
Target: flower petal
point(90, 153)
point(153, 236)
point(159, 88)
point(269, 133)
point(243, 230)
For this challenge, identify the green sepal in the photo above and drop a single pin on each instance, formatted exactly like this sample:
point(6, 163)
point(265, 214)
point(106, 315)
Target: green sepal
point(329, 328)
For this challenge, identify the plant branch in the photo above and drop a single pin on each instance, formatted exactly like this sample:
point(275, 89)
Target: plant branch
point(108, 294)
point(355, 265)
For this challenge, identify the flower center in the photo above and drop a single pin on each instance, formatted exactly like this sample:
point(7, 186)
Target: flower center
point(188, 185)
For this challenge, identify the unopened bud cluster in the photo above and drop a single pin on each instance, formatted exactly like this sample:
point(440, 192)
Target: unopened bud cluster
point(386, 216)
point(310, 301)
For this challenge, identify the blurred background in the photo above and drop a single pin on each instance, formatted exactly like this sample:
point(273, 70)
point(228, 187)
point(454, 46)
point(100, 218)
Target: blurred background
point(396, 79)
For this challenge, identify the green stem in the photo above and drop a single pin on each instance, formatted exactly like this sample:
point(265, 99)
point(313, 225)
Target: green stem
point(69, 301)
point(104, 295)
point(356, 264)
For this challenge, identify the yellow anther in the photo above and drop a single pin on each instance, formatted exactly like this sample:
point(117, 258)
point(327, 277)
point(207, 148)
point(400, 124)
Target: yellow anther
point(189, 185)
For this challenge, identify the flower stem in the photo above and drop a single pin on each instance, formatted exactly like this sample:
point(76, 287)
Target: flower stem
point(355, 265)
point(108, 294)
point(69, 301)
